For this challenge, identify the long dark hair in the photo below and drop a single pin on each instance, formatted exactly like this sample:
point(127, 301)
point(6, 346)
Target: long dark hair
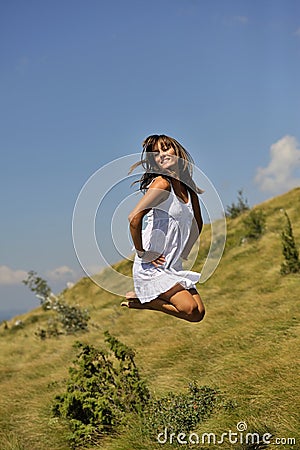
point(185, 163)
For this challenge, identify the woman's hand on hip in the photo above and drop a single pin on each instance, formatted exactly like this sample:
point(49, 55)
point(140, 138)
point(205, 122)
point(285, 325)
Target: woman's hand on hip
point(154, 258)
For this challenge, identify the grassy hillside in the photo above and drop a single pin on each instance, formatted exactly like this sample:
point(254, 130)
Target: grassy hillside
point(247, 347)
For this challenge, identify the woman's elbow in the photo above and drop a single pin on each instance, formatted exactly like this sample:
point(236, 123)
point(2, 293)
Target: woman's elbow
point(130, 217)
point(134, 220)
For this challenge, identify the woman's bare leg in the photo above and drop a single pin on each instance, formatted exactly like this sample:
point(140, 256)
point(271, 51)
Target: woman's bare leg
point(158, 304)
point(198, 300)
point(178, 302)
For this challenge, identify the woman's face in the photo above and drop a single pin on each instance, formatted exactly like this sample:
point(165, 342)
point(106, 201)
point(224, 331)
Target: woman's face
point(164, 157)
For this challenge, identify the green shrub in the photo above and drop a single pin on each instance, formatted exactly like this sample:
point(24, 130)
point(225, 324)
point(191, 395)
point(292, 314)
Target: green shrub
point(182, 412)
point(105, 391)
point(255, 224)
point(291, 263)
point(103, 387)
point(72, 318)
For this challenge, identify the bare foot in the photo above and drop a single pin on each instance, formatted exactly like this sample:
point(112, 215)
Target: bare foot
point(132, 300)
point(132, 303)
point(130, 295)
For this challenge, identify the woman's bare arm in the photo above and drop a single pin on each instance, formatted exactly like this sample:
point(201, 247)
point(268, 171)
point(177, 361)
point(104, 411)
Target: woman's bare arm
point(157, 192)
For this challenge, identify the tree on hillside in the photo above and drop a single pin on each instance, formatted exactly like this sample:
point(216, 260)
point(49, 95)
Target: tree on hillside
point(235, 209)
point(290, 252)
point(69, 319)
point(40, 287)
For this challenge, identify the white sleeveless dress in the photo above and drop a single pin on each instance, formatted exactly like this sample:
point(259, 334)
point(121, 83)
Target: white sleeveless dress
point(167, 231)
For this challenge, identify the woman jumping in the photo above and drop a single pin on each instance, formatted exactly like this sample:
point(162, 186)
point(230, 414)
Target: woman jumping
point(174, 223)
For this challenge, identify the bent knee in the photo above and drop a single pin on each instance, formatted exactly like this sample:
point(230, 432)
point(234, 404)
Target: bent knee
point(196, 315)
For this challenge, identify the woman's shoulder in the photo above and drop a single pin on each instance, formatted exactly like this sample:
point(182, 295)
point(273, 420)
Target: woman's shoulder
point(160, 182)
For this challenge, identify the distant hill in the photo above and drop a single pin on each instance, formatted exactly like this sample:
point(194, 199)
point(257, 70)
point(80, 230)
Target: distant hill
point(247, 346)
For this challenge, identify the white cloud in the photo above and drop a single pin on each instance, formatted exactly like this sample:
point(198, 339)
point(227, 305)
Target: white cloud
point(281, 173)
point(297, 32)
point(61, 273)
point(10, 276)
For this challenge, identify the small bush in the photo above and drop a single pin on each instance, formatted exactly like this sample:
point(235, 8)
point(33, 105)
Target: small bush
point(72, 318)
point(235, 209)
point(52, 330)
point(102, 389)
point(291, 263)
point(182, 412)
point(255, 224)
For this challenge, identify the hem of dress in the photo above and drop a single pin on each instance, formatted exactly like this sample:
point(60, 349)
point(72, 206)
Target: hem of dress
point(193, 286)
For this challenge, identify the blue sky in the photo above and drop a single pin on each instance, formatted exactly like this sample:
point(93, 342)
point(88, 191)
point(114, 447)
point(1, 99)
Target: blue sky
point(82, 83)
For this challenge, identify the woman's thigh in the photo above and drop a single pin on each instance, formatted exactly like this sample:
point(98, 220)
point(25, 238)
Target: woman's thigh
point(168, 294)
point(181, 298)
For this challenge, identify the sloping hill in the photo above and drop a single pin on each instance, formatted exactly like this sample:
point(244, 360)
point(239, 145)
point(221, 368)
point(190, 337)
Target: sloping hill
point(247, 346)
